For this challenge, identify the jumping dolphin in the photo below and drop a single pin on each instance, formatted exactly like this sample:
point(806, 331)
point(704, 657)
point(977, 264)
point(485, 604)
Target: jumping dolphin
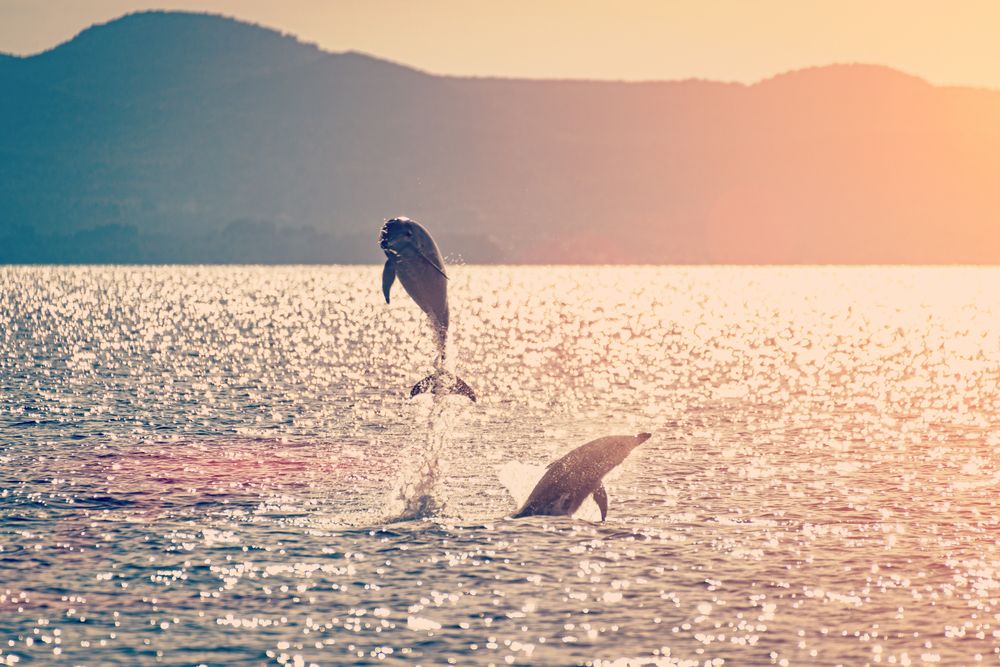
point(569, 480)
point(412, 255)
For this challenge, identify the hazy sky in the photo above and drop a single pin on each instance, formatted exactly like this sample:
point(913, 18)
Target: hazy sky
point(746, 40)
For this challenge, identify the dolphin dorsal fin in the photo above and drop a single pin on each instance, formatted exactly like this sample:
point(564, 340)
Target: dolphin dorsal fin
point(601, 498)
point(388, 277)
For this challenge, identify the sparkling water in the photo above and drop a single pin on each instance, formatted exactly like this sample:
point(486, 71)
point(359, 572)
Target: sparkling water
point(222, 465)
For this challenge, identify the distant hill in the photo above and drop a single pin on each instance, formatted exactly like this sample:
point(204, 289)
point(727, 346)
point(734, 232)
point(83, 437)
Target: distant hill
point(174, 137)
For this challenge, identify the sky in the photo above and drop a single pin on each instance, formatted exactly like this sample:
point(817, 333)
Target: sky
point(735, 40)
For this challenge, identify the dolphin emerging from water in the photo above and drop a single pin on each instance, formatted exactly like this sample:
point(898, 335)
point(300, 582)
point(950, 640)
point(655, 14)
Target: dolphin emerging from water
point(412, 255)
point(569, 480)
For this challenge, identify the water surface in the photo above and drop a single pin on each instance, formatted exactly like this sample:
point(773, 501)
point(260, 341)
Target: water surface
point(208, 465)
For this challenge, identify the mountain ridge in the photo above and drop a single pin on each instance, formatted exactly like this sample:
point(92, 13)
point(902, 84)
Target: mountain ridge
point(270, 32)
point(201, 138)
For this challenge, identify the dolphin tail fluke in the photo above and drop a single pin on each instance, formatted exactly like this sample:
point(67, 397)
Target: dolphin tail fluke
point(425, 385)
point(440, 382)
point(464, 389)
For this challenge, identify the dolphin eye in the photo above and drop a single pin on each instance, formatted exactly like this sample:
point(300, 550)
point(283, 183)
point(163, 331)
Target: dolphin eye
point(409, 232)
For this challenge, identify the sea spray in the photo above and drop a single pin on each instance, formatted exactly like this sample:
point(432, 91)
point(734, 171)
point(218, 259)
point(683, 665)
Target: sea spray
point(417, 492)
point(519, 479)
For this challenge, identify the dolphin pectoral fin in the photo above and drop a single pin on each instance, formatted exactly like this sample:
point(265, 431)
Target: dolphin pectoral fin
point(601, 498)
point(443, 383)
point(388, 277)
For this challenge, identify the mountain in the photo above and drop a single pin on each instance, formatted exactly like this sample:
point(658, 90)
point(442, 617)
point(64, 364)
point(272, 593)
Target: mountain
point(175, 137)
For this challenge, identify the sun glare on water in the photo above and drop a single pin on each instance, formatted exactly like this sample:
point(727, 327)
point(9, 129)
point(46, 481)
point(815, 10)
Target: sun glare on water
point(221, 465)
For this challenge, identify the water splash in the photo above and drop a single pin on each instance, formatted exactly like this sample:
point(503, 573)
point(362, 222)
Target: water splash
point(519, 479)
point(417, 491)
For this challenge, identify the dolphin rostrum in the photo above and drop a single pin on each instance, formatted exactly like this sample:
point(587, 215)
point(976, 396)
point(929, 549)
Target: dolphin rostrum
point(413, 257)
point(569, 480)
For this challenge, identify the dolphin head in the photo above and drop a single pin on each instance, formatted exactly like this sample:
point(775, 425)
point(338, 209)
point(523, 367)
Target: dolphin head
point(395, 234)
point(621, 446)
point(402, 238)
point(601, 456)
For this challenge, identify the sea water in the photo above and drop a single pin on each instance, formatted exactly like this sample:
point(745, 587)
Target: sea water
point(222, 465)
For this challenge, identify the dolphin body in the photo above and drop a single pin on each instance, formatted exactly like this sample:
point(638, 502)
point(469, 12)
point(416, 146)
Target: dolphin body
point(569, 480)
point(413, 257)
